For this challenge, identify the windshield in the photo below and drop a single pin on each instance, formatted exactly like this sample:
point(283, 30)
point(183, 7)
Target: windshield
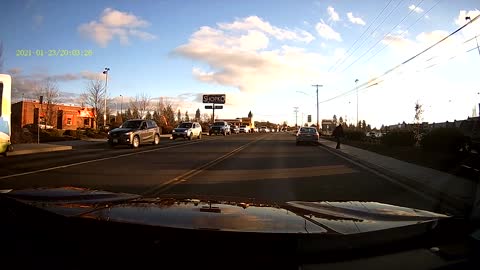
point(131, 124)
point(254, 100)
point(185, 125)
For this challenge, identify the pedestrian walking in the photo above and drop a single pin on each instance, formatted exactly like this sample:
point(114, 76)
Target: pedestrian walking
point(338, 133)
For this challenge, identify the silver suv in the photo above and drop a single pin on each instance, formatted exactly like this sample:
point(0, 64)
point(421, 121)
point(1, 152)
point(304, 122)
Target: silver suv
point(134, 133)
point(187, 130)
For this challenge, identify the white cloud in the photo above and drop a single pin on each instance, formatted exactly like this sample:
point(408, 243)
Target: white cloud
point(333, 14)
point(355, 20)
point(416, 9)
point(472, 29)
point(114, 23)
point(237, 54)
point(257, 23)
point(327, 32)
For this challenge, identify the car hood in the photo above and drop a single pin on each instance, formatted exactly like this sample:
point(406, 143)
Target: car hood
point(122, 130)
point(180, 129)
point(223, 213)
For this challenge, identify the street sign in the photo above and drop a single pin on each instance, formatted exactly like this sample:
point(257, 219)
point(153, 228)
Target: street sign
point(218, 107)
point(215, 99)
point(209, 107)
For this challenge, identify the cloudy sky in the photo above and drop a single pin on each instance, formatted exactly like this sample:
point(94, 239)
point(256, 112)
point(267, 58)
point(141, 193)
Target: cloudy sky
point(264, 55)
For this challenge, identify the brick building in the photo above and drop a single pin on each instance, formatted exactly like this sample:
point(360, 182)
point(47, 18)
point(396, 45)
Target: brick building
point(52, 116)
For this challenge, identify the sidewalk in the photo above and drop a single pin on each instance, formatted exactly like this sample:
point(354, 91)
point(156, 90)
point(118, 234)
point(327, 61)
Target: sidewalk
point(33, 148)
point(455, 190)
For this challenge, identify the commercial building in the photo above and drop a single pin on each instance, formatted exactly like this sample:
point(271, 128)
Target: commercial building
point(52, 115)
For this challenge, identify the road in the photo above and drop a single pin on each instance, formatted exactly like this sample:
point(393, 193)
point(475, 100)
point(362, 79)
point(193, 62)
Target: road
point(267, 167)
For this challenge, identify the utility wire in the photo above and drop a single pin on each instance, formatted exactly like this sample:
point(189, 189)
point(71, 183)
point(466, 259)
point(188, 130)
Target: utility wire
point(370, 25)
point(376, 81)
point(378, 41)
point(378, 26)
point(408, 28)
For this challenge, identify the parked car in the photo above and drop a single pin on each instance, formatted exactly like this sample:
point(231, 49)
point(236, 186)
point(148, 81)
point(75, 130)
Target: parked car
point(134, 133)
point(187, 130)
point(263, 129)
point(235, 129)
point(307, 135)
point(244, 129)
point(220, 127)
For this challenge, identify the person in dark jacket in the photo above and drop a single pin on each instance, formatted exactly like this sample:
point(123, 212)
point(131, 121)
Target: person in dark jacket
point(338, 133)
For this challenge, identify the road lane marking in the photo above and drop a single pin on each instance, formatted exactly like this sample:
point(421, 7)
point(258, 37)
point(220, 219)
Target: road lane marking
point(185, 176)
point(423, 195)
point(102, 159)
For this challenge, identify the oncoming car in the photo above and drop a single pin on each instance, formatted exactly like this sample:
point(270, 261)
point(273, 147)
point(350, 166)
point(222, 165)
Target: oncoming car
point(134, 133)
point(187, 130)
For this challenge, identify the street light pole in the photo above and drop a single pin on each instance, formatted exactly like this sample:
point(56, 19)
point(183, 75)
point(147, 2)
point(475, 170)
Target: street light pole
point(106, 84)
point(121, 103)
point(356, 86)
point(317, 85)
point(296, 116)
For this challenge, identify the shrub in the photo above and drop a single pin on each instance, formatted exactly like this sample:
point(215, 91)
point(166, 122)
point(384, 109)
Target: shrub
point(444, 140)
point(54, 132)
point(71, 133)
point(20, 135)
point(399, 138)
point(166, 129)
point(354, 135)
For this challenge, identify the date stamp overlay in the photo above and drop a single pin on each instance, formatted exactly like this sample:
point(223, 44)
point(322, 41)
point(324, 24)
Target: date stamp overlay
point(52, 52)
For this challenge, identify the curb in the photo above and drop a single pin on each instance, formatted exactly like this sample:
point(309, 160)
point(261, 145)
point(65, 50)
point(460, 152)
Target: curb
point(41, 150)
point(450, 201)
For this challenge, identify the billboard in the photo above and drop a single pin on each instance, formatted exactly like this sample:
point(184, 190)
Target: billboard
point(216, 98)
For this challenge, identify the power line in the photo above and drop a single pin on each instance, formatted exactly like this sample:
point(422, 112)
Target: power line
point(408, 28)
point(378, 41)
point(378, 26)
point(376, 81)
point(370, 25)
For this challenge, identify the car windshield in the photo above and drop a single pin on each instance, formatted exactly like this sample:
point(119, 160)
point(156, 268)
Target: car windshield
point(185, 125)
point(313, 101)
point(131, 124)
point(308, 130)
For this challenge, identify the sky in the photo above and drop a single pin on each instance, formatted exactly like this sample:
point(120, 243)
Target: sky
point(264, 55)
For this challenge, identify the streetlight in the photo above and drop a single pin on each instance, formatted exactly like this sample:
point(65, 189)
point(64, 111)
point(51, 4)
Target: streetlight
point(356, 86)
point(106, 83)
point(317, 85)
point(478, 48)
point(121, 103)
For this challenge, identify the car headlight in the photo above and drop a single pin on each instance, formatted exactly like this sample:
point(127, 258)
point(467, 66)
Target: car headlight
point(186, 131)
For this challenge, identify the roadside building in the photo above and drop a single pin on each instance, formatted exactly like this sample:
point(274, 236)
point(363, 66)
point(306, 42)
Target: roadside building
point(52, 115)
point(327, 127)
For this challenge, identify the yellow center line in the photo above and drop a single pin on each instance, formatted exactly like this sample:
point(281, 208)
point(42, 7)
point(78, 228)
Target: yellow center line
point(185, 176)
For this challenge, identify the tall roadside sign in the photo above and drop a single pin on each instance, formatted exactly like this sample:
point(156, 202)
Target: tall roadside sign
point(214, 99)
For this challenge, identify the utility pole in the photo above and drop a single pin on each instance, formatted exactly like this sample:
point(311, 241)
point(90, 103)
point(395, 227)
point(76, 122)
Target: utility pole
point(296, 116)
point(317, 85)
point(106, 84)
point(356, 86)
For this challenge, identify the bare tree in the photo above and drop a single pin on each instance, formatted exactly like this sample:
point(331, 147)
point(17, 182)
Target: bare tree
point(51, 95)
point(93, 96)
point(144, 104)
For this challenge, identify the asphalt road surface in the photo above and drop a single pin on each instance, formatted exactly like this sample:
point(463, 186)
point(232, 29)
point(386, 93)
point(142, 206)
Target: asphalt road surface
point(267, 167)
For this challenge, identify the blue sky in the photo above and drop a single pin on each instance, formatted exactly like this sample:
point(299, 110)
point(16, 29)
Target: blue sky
point(260, 53)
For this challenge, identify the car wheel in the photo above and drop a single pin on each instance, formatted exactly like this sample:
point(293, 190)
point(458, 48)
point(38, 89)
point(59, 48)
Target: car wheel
point(156, 139)
point(224, 133)
point(190, 137)
point(135, 142)
point(199, 135)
